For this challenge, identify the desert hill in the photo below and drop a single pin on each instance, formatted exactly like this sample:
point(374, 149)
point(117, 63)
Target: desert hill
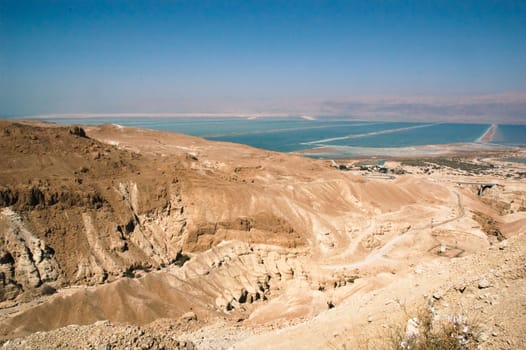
point(139, 226)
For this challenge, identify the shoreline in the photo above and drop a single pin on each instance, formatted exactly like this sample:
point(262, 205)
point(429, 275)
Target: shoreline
point(489, 135)
point(411, 151)
point(367, 134)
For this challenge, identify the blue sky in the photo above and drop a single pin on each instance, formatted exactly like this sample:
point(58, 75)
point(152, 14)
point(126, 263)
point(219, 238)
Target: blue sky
point(215, 56)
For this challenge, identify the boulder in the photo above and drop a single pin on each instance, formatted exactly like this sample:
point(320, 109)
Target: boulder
point(484, 283)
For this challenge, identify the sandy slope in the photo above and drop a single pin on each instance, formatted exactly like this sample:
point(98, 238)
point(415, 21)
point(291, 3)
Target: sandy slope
point(272, 238)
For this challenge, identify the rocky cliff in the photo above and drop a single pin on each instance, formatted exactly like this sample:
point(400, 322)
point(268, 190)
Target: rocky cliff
point(75, 210)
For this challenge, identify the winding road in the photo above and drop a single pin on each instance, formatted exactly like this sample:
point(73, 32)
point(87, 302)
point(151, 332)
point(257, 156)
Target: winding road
point(374, 256)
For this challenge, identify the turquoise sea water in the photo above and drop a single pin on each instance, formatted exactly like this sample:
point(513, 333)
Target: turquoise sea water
point(510, 135)
point(515, 160)
point(290, 134)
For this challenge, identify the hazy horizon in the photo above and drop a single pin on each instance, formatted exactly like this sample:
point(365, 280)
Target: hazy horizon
point(426, 60)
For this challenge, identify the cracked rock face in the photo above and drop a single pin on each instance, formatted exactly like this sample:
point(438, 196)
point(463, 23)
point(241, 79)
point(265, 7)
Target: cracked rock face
point(25, 261)
point(71, 243)
point(77, 211)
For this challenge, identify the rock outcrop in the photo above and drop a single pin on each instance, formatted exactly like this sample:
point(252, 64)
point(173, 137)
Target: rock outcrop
point(96, 212)
point(26, 262)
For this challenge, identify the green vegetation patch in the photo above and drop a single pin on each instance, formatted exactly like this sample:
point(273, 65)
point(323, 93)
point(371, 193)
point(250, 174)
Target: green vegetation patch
point(453, 163)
